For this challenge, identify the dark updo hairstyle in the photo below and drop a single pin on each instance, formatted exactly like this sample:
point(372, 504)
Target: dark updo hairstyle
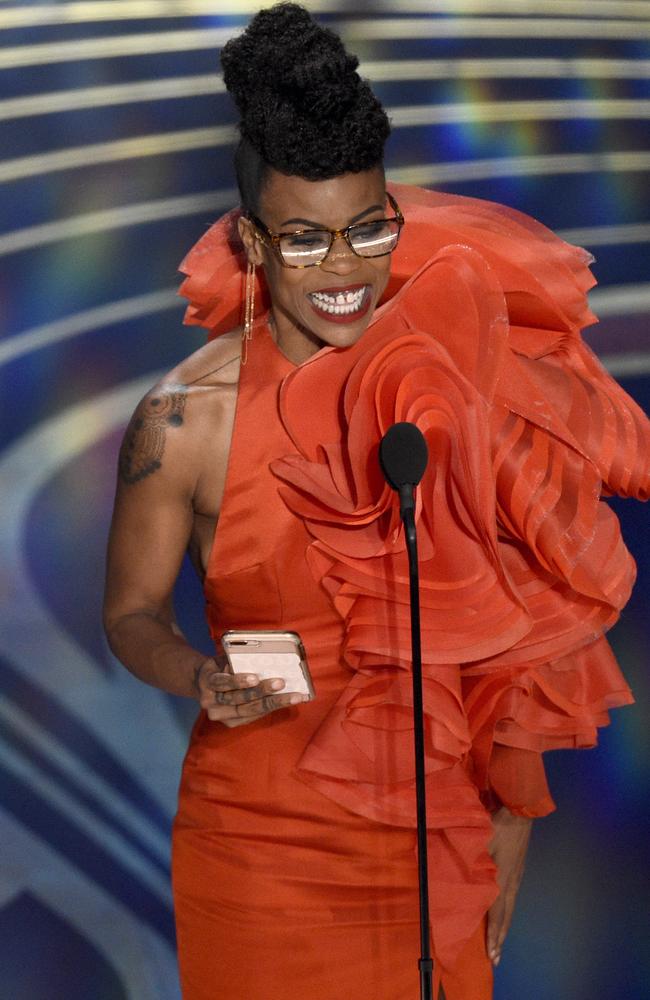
point(304, 109)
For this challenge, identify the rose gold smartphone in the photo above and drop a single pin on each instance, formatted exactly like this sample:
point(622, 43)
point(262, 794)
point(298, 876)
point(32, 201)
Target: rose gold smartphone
point(270, 654)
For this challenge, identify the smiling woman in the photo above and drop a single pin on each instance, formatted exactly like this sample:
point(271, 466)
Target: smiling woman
point(294, 840)
point(328, 299)
point(312, 247)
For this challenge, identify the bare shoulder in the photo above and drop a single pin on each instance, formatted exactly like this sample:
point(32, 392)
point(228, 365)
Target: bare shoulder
point(171, 423)
point(216, 365)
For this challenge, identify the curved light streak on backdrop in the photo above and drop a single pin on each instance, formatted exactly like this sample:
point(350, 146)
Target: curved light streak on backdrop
point(404, 69)
point(115, 146)
point(98, 10)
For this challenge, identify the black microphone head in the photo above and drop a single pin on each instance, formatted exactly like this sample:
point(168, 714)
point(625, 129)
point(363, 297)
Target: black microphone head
point(403, 455)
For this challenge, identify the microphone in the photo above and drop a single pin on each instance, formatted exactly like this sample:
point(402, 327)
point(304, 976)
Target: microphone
point(403, 456)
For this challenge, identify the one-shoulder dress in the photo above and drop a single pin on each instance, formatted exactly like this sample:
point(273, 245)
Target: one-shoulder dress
point(294, 848)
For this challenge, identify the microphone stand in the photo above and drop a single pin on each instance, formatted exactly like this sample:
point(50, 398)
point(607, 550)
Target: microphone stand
point(425, 963)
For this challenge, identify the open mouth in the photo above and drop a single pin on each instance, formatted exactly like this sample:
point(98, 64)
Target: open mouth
point(343, 305)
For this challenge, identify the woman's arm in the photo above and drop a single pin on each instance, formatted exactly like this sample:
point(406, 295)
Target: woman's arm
point(150, 531)
point(160, 463)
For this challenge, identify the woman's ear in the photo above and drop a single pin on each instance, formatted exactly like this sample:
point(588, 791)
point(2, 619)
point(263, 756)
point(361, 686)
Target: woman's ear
point(251, 241)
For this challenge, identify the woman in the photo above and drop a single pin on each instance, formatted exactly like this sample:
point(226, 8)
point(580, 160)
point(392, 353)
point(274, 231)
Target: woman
point(294, 845)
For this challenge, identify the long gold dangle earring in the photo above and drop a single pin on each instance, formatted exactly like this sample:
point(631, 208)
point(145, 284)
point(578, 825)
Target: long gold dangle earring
point(249, 311)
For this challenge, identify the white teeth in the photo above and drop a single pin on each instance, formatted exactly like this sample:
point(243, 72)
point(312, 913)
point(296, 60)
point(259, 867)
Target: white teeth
point(340, 304)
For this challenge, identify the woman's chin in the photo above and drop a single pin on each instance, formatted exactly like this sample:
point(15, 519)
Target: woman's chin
point(339, 331)
point(300, 339)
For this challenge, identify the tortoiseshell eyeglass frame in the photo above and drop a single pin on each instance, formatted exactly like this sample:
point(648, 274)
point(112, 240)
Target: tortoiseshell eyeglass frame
point(273, 239)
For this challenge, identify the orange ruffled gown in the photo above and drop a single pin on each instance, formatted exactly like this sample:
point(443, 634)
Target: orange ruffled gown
point(294, 845)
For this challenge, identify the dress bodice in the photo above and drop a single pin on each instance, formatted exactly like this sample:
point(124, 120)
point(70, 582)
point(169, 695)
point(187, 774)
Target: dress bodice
point(257, 574)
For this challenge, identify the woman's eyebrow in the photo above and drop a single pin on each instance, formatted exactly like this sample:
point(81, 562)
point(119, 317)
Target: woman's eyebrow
point(319, 225)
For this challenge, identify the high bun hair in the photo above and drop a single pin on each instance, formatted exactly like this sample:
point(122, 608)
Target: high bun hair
point(304, 109)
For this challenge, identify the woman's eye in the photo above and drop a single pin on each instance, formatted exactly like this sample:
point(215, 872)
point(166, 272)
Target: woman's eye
point(370, 230)
point(305, 241)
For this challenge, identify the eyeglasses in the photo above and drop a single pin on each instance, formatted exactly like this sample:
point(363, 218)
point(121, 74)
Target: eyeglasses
point(310, 247)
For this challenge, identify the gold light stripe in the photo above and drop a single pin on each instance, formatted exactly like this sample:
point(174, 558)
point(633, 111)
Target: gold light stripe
point(58, 101)
point(620, 300)
point(76, 324)
point(169, 88)
point(427, 174)
point(594, 236)
point(149, 43)
point(164, 143)
point(118, 217)
point(159, 144)
point(632, 364)
point(527, 69)
point(114, 47)
point(121, 10)
point(516, 111)
point(484, 27)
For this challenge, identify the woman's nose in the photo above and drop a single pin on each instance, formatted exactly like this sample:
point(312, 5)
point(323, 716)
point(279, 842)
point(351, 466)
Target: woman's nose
point(341, 259)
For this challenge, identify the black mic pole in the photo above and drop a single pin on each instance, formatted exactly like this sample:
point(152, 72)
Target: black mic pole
point(403, 458)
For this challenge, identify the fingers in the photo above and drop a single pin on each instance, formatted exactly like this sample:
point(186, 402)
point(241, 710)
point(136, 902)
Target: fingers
point(498, 924)
point(235, 699)
point(243, 712)
point(495, 934)
point(238, 689)
point(244, 695)
point(240, 712)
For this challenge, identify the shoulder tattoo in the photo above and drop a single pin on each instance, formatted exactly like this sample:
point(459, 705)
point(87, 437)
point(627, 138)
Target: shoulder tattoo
point(144, 441)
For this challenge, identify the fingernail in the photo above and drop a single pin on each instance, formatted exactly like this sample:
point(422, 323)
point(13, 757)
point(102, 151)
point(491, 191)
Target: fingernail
point(497, 959)
point(276, 685)
point(295, 699)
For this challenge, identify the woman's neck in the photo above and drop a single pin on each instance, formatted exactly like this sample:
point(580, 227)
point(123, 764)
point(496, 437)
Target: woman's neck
point(296, 345)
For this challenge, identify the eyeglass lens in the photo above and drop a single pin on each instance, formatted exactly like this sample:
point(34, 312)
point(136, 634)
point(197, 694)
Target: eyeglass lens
point(370, 239)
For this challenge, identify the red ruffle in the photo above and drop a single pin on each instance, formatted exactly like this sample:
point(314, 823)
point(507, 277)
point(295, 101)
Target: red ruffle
point(522, 565)
point(543, 279)
point(216, 270)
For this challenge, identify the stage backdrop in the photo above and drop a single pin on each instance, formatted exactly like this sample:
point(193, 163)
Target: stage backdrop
point(115, 148)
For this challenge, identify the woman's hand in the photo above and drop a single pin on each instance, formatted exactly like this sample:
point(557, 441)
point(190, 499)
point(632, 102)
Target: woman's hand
point(508, 849)
point(236, 699)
